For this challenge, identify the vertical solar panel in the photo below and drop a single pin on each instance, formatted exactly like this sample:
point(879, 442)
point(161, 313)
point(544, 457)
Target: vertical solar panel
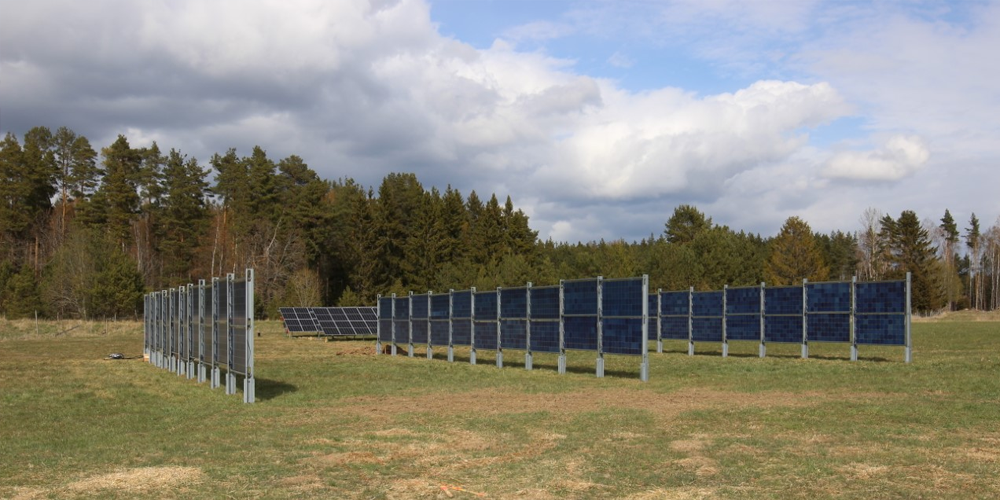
point(193, 320)
point(486, 311)
point(674, 315)
point(622, 302)
point(881, 313)
point(783, 314)
point(420, 312)
point(706, 316)
point(544, 321)
point(440, 319)
point(828, 311)
point(239, 339)
point(461, 318)
point(401, 320)
point(743, 313)
point(222, 331)
point(653, 325)
point(514, 318)
point(580, 315)
point(385, 319)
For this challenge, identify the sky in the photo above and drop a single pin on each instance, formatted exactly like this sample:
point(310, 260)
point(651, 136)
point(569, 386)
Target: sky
point(597, 118)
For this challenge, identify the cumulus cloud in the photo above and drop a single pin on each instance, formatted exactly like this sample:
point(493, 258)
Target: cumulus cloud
point(900, 157)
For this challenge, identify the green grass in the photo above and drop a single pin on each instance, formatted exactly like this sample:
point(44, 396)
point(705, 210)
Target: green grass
point(334, 421)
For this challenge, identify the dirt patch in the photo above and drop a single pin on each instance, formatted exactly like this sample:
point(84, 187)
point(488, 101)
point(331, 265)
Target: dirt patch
point(145, 480)
point(368, 351)
point(674, 494)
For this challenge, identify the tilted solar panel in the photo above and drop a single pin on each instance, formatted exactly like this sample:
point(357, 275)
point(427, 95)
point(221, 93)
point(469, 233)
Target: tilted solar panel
point(347, 321)
point(298, 319)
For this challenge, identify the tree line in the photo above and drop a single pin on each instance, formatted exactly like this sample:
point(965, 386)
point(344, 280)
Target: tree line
point(83, 234)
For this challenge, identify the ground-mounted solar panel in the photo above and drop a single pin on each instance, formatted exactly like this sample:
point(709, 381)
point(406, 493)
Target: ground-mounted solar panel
point(743, 327)
point(544, 335)
point(579, 333)
point(298, 319)
point(461, 332)
point(674, 315)
point(486, 312)
point(674, 327)
point(222, 333)
point(486, 335)
point(193, 321)
point(420, 331)
point(544, 303)
point(783, 300)
point(204, 322)
point(440, 332)
point(385, 319)
point(880, 329)
point(833, 327)
point(881, 297)
point(828, 308)
point(513, 303)
point(514, 333)
point(783, 329)
point(401, 320)
point(743, 313)
point(239, 339)
point(346, 321)
point(580, 298)
point(622, 336)
point(706, 316)
point(461, 305)
point(706, 329)
point(622, 298)
point(653, 325)
point(174, 324)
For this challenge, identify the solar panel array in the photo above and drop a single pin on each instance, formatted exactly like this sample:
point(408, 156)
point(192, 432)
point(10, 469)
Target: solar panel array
point(869, 313)
point(331, 321)
point(597, 315)
point(199, 330)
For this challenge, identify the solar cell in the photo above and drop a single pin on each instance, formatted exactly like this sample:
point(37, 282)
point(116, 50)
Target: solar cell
point(298, 319)
point(348, 321)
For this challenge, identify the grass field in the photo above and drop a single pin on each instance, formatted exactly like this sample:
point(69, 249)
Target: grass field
point(334, 421)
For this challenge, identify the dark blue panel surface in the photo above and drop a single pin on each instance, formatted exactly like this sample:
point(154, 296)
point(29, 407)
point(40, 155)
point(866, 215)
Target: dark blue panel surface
point(420, 332)
point(783, 329)
point(881, 297)
point(674, 327)
point(461, 304)
point(706, 329)
point(654, 316)
point(402, 331)
point(486, 335)
point(544, 335)
point(783, 300)
point(385, 308)
point(829, 327)
point(674, 304)
point(385, 330)
point(622, 298)
point(439, 332)
point(514, 303)
point(486, 305)
point(880, 329)
point(461, 332)
point(420, 309)
point(743, 301)
point(828, 297)
point(222, 341)
point(580, 333)
point(513, 334)
point(545, 302)
point(743, 327)
point(580, 297)
point(706, 304)
point(439, 306)
point(622, 335)
point(402, 308)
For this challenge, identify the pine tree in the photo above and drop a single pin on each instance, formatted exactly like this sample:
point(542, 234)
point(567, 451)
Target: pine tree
point(794, 256)
point(184, 215)
point(840, 253)
point(972, 241)
point(685, 224)
point(913, 252)
point(120, 189)
point(949, 234)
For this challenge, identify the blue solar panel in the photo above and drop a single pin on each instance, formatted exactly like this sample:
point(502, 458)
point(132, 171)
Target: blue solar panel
point(705, 329)
point(743, 301)
point(829, 327)
point(420, 330)
point(786, 329)
point(513, 333)
point(674, 327)
point(461, 332)
point(881, 297)
point(461, 304)
point(439, 306)
point(828, 297)
point(385, 308)
point(580, 333)
point(622, 298)
point(706, 304)
point(402, 331)
point(545, 303)
point(486, 305)
point(486, 335)
point(743, 327)
point(385, 319)
point(783, 300)
point(544, 334)
point(654, 315)
point(580, 297)
point(513, 303)
point(622, 335)
point(880, 329)
point(674, 304)
point(402, 310)
point(420, 306)
point(439, 332)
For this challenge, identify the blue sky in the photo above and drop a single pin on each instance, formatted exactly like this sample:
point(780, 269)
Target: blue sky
point(596, 117)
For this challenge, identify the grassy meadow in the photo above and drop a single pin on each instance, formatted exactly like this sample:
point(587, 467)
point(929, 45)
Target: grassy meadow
point(332, 420)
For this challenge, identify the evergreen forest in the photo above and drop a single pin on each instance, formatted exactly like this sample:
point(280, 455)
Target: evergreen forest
point(85, 233)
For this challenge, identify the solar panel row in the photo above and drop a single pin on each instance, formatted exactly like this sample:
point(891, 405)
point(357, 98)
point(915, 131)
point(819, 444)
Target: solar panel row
point(333, 321)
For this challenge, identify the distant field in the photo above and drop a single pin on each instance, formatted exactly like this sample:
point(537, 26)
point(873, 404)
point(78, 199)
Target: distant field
point(334, 421)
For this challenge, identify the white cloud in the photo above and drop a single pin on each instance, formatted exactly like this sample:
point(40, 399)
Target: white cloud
point(900, 157)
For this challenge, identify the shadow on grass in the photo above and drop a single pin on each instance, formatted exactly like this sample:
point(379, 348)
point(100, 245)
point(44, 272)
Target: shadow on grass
point(718, 354)
point(518, 363)
point(267, 389)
